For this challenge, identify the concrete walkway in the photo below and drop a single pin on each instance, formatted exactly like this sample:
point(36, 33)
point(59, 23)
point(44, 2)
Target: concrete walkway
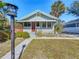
point(18, 49)
point(72, 38)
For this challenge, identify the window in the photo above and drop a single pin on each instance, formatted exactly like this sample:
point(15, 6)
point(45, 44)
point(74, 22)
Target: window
point(44, 24)
point(27, 24)
point(49, 25)
point(37, 24)
point(70, 25)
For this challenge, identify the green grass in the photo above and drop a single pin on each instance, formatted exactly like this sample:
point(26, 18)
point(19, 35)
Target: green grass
point(5, 46)
point(52, 49)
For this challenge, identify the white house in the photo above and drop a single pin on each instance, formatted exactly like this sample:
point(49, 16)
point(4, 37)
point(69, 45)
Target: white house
point(38, 20)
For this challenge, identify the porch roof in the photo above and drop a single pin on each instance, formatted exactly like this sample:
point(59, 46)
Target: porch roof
point(37, 19)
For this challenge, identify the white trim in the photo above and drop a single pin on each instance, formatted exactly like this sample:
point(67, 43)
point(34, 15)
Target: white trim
point(37, 19)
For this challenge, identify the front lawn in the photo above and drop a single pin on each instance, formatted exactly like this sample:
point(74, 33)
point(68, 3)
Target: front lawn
point(52, 49)
point(5, 46)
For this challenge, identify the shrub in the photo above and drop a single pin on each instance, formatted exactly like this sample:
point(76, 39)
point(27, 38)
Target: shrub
point(22, 34)
point(9, 34)
point(3, 36)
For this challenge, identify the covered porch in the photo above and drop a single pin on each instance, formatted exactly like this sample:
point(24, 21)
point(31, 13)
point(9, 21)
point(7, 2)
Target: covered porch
point(39, 25)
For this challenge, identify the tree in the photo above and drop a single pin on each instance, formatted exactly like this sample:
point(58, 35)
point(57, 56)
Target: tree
point(3, 13)
point(2, 4)
point(58, 8)
point(74, 9)
point(2, 9)
point(3, 35)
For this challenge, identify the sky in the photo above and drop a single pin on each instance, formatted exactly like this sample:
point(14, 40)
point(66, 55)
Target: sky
point(28, 6)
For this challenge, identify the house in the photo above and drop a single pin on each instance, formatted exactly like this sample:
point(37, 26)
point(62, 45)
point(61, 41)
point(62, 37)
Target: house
point(37, 20)
point(72, 27)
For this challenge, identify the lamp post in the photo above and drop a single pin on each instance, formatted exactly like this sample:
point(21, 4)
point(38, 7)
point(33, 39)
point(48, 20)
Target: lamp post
point(12, 12)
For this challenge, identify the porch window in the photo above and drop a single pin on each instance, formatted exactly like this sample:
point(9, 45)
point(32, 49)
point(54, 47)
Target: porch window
point(49, 25)
point(77, 24)
point(27, 24)
point(44, 25)
point(37, 24)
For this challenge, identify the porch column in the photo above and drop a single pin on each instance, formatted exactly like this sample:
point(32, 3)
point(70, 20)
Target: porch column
point(76, 26)
point(23, 26)
point(53, 29)
point(51, 24)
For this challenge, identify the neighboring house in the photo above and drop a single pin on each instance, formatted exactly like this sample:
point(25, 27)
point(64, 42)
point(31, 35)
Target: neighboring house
point(72, 27)
point(37, 20)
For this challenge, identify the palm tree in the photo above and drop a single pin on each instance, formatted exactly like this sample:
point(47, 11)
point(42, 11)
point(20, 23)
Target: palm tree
point(57, 9)
point(58, 27)
point(74, 9)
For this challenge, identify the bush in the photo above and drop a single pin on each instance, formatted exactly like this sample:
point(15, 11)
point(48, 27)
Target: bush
point(9, 34)
point(3, 36)
point(22, 34)
point(39, 33)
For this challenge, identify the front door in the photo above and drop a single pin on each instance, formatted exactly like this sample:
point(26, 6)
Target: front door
point(33, 26)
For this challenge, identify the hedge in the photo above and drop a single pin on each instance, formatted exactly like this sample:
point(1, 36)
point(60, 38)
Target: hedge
point(4, 36)
point(22, 35)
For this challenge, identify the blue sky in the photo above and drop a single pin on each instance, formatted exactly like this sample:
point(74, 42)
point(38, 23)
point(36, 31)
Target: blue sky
point(28, 6)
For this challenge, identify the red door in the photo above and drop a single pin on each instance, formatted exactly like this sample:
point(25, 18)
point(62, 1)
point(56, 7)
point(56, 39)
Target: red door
point(33, 26)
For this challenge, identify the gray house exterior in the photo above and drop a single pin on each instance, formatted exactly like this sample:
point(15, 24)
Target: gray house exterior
point(72, 26)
